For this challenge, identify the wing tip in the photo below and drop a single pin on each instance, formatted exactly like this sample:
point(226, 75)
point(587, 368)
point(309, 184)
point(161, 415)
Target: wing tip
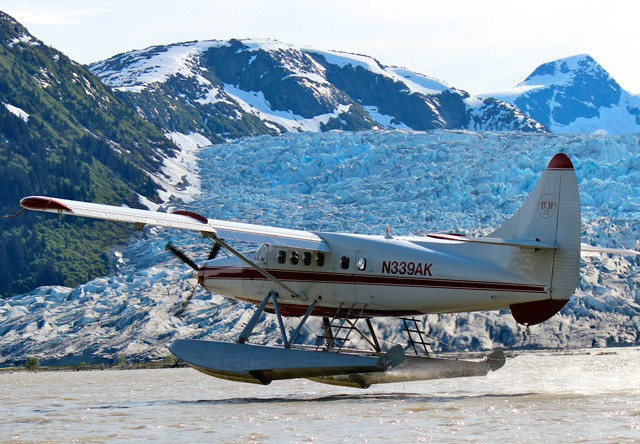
point(42, 203)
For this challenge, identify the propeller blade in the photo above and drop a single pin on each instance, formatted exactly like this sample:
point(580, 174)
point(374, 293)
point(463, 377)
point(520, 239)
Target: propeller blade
point(214, 251)
point(186, 301)
point(183, 257)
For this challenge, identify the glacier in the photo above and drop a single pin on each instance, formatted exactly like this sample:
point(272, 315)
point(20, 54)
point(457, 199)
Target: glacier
point(413, 182)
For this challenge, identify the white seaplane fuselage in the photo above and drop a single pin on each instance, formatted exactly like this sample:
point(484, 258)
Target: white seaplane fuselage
point(386, 276)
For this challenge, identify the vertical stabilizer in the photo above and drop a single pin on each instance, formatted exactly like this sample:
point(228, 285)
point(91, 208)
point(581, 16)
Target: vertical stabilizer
point(551, 214)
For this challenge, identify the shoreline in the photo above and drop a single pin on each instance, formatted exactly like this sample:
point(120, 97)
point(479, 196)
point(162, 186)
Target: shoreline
point(95, 367)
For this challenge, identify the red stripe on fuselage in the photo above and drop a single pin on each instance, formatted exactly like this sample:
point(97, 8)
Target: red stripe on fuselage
point(238, 273)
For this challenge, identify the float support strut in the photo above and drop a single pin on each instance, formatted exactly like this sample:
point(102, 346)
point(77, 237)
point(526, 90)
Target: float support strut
point(254, 319)
point(295, 333)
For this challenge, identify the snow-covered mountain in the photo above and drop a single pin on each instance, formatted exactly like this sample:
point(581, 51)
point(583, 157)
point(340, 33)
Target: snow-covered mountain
point(575, 95)
point(230, 89)
point(415, 182)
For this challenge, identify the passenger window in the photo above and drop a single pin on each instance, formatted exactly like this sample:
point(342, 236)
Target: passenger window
point(320, 259)
point(361, 264)
point(294, 257)
point(282, 257)
point(344, 262)
point(306, 258)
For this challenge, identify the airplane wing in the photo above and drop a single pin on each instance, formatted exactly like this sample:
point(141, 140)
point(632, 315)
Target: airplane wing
point(183, 220)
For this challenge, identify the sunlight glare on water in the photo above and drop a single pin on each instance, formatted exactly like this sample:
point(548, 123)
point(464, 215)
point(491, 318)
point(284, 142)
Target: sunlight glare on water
point(592, 395)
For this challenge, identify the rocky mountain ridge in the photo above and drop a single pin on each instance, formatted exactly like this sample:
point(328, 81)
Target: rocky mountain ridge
point(230, 89)
point(576, 95)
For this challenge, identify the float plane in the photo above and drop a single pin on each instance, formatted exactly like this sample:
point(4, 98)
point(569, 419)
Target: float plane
point(529, 265)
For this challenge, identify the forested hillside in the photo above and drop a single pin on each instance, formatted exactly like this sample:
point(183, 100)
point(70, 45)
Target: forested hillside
point(63, 133)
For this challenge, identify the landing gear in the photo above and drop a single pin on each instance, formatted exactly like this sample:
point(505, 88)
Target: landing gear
point(273, 296)
point(330, 363)
point(344, 323)
point(241, 361)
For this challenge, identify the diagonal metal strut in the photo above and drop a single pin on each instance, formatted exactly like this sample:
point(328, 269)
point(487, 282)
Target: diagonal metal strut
point(248, 329)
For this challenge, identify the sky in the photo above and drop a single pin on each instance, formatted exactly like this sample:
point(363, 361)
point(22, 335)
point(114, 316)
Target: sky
point(479, 46)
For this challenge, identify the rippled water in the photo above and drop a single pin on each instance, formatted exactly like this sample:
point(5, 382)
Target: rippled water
point(594, 395)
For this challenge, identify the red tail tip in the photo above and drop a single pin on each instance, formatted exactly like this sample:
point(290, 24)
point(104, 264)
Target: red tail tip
point(560, 162)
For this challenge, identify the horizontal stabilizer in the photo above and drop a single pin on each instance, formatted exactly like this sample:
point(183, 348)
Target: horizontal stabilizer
point(589, 250)
point(522, 243)
point(263, 364)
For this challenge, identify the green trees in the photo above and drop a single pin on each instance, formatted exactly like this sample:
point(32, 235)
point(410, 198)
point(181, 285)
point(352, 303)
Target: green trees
point(80, 142)
point(33, 363)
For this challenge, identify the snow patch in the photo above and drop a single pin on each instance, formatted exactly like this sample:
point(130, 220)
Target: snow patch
point(19, 112)
point(418, 83)
point(414, 82)
point(151, 65)
point(384, 119)
point(268, 45)
point(343, 59)
point(610, 120)
point(180, 174)
point(24, 38)
point(255, 103)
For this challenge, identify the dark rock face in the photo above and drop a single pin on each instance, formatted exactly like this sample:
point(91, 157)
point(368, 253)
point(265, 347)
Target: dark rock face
point(392, 98)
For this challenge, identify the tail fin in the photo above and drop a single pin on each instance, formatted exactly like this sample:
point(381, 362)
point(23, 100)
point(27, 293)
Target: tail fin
point(551, 214)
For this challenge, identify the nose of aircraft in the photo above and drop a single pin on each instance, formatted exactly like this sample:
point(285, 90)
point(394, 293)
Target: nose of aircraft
point(222, 275)
point(218, 268)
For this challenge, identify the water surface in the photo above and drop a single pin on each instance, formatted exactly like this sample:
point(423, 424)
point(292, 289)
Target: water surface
point(593, 395)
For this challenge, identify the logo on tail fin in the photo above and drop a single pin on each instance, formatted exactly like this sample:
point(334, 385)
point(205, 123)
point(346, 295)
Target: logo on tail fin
point(547, 206)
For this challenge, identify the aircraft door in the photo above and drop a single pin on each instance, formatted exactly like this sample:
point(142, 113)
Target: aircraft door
point(362, 270)
point(259, 286)
point(344, 287)
point(351, 283)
